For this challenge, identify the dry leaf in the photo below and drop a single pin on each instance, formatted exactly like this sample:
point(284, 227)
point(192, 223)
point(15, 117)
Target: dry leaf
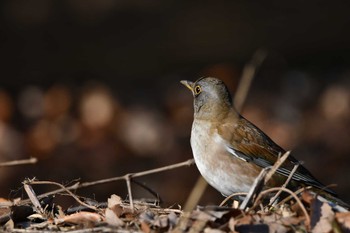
point(113, 201)
point(212, 230)
point(203, 216)
point(344, 219)
point(114, 211)
point(275, 224)
point(114, 204)
point(161, 221)
point(83, 217)
point(247, 219)
point(322, 217)
point(9, 225)
point(145, 227)
point(60, 213)
point(307, 197)
point(173, 219)
point(36, 216)
point(112, 218)
point(231, 225)
point(289, 221)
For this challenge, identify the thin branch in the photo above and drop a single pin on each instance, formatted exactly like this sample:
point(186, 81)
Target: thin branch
point(195, 194)
point(33, 198)
point(256, 188)
point(274, 198)
point(231, 196)
point(65, 189)
point(275, 167)
point(166, 210)
point(113, 179)
point(144, 186)
point(263, 193)
point(19, 162)
point(127, 178)
point(263, 178)
point(248, 74)
point(296, 193)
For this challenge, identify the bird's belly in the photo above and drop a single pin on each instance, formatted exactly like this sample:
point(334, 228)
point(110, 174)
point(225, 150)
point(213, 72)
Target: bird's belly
point(219, 168)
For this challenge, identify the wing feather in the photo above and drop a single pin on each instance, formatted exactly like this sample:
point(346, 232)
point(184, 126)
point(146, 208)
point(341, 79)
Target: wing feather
point(250, 144)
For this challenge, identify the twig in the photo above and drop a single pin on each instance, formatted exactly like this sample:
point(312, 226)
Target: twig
point(275, 167)
point(287, 191)
point(167, 210)
point(105, 229)
point(19, 162)
point(274, 198)
point(113, 179)
point(66, 190)
point(144, 186)
point(195, 194)
point(296, 193)
point(231, 196)
point(256, 188)
point(263, 178)
point(248, 74)
point(32, 196)
point(127, 178)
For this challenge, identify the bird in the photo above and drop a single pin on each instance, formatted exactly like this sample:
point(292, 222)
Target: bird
point(230, 151)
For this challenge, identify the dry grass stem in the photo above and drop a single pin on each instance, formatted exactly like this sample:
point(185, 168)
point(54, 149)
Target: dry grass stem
point(33, 198)
point(293, 195)
point(296, 193)
point(19, 162)
point(256, 188)
point(264, 176)
point(127, 178)
point(232, 196)
point(195, 194)
point(248, 74)
point(277, 164)
point(274, 198)
point(63, 188)
point(113, 179)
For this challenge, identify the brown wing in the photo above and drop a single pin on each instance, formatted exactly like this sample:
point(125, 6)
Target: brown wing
point(251, 144)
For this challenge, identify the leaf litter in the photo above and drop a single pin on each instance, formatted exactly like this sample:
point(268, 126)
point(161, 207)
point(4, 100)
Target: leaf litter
point(301, 211)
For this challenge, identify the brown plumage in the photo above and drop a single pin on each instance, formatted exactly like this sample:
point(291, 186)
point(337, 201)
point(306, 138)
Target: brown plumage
point(230, 151)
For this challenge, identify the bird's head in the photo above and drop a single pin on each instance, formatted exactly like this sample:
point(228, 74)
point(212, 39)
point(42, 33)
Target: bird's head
point(212, 99)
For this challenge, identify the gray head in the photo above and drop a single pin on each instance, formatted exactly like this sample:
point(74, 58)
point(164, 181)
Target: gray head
point(212, 99)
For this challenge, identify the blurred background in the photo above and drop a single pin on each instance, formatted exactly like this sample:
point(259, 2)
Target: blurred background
point(91, 88)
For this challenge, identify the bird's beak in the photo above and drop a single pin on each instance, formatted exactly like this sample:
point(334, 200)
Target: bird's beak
point(187, 84)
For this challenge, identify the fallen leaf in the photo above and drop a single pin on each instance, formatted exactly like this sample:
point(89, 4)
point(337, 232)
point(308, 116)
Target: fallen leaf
point(83, 217)
point(322, 217)
point(344, 219)
point(9, 225)
point(114, 211)
point(145, 227)
point(212, 230)
point(114, 204)
point(246, 219)
point(36, 216)
point(161, 221)
point(307, 197)
point(114, 200)
point(173, 219)
point(112, 218)
point(274, 222)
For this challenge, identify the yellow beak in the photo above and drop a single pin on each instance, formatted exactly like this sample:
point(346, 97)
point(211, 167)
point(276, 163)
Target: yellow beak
point(187, 84)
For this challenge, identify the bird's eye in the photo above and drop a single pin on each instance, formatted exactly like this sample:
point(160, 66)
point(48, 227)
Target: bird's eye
point(197, 90)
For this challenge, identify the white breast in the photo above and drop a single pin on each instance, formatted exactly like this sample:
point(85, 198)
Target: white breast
point(218, 167)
